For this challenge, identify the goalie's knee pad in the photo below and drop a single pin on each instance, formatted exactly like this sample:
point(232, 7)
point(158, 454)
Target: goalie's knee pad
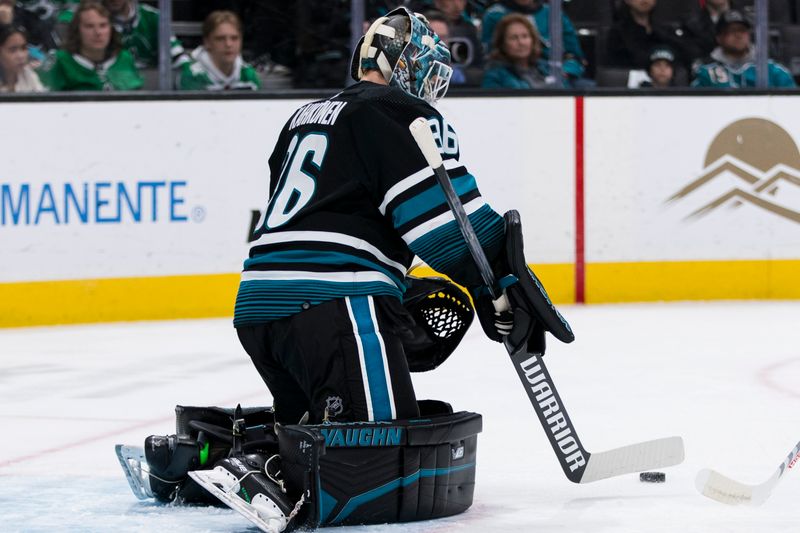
point(381, 472)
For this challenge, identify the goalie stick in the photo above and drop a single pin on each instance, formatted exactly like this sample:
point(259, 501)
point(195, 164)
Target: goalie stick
point(579, 465)
point(723, 489)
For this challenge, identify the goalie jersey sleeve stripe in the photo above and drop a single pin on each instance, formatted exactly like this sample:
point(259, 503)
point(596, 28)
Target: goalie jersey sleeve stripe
point(409, 182)
point(444, 249)
point(420, 213)
point(429, 200)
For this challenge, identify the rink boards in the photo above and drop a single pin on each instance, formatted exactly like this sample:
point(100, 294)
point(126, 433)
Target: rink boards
point(126, 210)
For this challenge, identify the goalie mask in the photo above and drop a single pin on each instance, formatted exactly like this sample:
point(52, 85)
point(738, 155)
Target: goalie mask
point(407, 53)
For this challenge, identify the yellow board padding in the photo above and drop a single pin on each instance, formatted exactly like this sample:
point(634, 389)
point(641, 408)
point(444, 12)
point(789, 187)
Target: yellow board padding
point(558, 279)
point(692, 280)
point(41, 303)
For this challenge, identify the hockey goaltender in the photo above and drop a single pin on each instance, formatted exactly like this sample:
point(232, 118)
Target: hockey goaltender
point(335, 326)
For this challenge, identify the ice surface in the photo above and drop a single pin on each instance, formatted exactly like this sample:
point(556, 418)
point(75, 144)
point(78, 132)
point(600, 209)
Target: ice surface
point(724, 375)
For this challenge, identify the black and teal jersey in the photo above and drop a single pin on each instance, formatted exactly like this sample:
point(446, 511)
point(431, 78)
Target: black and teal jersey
point(352, 201)
point(721, 75)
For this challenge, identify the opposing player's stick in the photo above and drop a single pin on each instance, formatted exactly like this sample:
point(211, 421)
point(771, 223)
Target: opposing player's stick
point(714, 485)
point(579, 465)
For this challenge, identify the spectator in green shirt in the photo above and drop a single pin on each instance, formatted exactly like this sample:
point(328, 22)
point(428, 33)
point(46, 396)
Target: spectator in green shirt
point(92, 58)
point(217, 64)
point(138, 25)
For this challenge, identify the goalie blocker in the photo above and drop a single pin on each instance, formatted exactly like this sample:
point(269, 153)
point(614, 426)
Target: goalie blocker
point(522, 316)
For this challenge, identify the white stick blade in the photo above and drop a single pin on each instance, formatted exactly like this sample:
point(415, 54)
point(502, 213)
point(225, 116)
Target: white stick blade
point(421, 131)
point(650, 455)
point(723, 489)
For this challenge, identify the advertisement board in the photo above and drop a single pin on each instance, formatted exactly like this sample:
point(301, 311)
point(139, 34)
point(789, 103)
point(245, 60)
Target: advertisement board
point(142, 209)
point(692, 197)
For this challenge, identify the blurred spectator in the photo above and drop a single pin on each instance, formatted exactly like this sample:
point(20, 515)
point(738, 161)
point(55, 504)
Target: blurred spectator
point(7, 11)
point(92, 58)
point(218, 64)
point(16, 73)
point(573, 62)
point(732, 63)
point(138, 25)
point(700, 28)
point(516, 58)
point(49, 11)
point(465, 45)
point(41, 33)
point(634, 35)
point(438, 24)
point(661, 72)
point(322, 30)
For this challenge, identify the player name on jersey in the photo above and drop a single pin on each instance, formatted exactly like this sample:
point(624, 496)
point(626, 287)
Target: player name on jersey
point(556, 421)
point(324, 113)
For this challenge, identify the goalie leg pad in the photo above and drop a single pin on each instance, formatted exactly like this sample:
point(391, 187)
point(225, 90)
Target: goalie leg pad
point(381, 472)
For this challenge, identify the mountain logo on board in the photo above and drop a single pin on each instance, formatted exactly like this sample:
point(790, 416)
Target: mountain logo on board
point(761, 163)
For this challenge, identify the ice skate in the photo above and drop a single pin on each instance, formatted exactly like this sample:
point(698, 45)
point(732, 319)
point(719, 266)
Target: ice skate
point(242, 483)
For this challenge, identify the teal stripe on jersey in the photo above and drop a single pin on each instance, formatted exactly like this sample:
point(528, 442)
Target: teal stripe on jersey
point(322, 257)
point(373, 359)
point(260, 301)
point(430, 199)
point(444, 247)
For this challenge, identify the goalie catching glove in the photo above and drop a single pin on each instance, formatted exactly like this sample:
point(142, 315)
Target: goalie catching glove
point(523, 312)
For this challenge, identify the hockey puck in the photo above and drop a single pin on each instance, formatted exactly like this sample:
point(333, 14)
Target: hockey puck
point(653, 477)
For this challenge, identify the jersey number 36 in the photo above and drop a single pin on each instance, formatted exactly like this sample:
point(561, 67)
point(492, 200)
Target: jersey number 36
point(444, 135)
point(297, 182)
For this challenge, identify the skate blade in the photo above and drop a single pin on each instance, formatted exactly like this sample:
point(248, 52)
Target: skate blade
point(134, 464)
point(213, 482)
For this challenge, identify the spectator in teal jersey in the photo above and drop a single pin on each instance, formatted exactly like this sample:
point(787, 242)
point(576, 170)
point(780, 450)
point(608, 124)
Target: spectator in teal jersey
point(516, 56)
point(732, 63)
point(217, 64)
point(573, 62)
point(92, 58)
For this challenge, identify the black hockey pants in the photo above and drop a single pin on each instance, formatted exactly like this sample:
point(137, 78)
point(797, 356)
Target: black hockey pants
point(342, 359)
